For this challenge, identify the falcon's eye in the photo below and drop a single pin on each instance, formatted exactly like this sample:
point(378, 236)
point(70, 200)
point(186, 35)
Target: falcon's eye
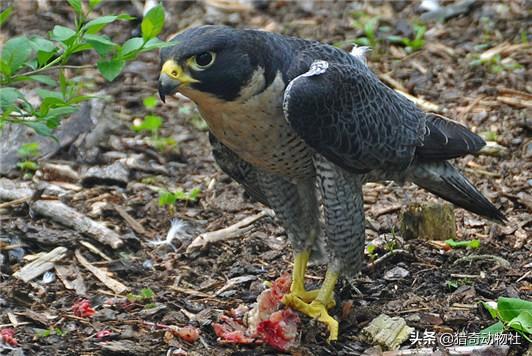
point(202, 61)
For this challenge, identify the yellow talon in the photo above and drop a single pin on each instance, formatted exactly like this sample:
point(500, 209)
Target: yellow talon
point(297, 288)
point(315, 310)
point(320, 300)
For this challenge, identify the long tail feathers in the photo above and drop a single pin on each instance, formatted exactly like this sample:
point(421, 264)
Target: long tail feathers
point(445, 181)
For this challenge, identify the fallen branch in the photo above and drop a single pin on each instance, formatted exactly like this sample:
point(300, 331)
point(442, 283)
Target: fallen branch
point(61, 213)
point(109, 282)
point(69, 217)
point(227, 233)
point(42, 264)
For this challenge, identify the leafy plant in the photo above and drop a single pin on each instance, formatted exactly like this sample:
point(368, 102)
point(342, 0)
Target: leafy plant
point(372, 253)
point(453, 284)
point(42, 333)
point(30, 59)
point(170, 198)
point(28, 153)
point(494, 64)
point(152, 124)
point(512, 314)
point(369, 26)
point(145, 295)
point(163, 143)
point(198, 122)
point(150, 102)
point(489, 135)
point(412, 44)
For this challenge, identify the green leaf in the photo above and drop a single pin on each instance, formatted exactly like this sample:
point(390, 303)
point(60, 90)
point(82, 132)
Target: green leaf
point(522, 322)
point(93, 26)
point(126, 17)
point(166, 198)
point(62, 34)
point(29, 150)
point(491, 330)
point(147, 293)
point(44, 94)
point(162, 144)
point(100, 39)
point(80, 98)
point(82, 47)
point(8, 97)
point(94, 3)
point(132, 45)
point(510, 308)
point(101, 44)
point(491, 307)
point(4, 15)
point(496, 328)
point(155, 43)
point(16, 52)
point(28, 166)
point(152, 23)
point(45, 49)
point(61, 111)
point(150, 102)
point(194, 194)
point(362, 41)
point(45, 79)
point(395, 39)
point(39, 43)
point(111, 69)
point(150, 123)
point(76, 5)
point(40, 127)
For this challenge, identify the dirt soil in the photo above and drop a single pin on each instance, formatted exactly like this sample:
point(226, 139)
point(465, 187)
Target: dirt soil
point(441, 288)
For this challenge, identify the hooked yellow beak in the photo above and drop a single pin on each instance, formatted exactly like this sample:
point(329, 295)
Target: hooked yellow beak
point(172, 76)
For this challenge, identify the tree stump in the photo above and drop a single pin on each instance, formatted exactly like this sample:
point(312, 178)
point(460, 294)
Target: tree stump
point(428, 221)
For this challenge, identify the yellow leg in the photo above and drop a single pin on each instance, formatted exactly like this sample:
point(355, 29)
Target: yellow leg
point(297, 288)
point(317, 309)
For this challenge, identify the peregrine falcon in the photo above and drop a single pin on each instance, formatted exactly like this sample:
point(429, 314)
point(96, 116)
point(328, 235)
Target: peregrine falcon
point(303, 125)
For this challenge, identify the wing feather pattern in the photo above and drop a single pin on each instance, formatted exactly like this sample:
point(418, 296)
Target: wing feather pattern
point(346, 114)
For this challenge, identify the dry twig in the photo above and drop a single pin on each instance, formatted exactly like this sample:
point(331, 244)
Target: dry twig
point(227, 233)
point(109, 282)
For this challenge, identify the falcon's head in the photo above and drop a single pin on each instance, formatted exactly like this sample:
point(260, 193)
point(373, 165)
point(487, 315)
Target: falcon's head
point(212, 61)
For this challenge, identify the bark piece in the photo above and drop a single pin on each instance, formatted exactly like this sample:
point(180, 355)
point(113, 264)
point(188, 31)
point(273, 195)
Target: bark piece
point(429, 222)
point(388, 332)
point(59, 172)
point(42, 264)
point(114, 174)
point(109, 282)
point(66, 274)
point(134, 224)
